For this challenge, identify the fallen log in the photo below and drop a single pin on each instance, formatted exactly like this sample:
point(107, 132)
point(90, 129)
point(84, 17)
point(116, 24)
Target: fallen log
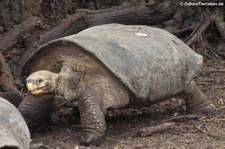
point(14, 35)
point(84, 18)
point(56, 32)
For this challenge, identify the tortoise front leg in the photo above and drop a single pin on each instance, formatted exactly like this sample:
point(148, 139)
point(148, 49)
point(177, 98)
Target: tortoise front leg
point(196, 101)
point(92, 119)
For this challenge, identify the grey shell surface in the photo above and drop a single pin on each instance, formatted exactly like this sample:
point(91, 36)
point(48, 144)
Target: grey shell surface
point(13, 129)
point(150, 61)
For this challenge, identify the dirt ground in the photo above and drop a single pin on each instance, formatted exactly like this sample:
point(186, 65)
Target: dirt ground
point(189, 131)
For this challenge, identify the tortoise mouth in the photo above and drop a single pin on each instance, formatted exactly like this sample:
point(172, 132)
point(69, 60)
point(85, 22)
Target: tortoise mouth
point(37, 91)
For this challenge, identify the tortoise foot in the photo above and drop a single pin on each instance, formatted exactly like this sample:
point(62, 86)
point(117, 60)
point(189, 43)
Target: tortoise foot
point(196, 101)
point(89, 138)
point(204, 108)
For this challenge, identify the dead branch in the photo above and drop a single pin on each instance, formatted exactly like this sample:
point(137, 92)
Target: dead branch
point(189, 28)
point(14, 35)
point(155, 129)
point(199, 32)
point(132, 15)
point(6, 78)
point(57, 31)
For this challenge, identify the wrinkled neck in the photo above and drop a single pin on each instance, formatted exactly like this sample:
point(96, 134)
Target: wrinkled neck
point(67, 68)
point(68, 80)
point(55, 79)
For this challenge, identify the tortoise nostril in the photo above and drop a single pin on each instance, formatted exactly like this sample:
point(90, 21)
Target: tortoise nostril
point(28, 81)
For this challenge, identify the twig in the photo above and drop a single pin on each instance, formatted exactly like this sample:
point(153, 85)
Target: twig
point(193, 32)
point(183, 29)
point(155, 129)
point(205, 83)
point(205, 80)
point(13, 36)
point(217, 70)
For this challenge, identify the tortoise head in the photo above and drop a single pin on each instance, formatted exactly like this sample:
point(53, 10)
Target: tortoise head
point(41, 82)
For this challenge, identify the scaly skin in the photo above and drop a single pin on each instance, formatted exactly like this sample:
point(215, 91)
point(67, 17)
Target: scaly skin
point(196, 101)
point(92, 118)
point(36, 111)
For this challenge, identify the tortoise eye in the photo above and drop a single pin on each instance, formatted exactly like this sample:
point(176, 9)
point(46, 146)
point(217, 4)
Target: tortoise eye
point(39, 80)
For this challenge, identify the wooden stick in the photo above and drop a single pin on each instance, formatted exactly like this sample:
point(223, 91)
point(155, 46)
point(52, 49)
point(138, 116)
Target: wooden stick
point(13, 36)
point(189, 28)
point(147, 131)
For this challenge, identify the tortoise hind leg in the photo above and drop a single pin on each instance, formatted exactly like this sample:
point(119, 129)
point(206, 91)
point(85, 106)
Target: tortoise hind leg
point(196, 101)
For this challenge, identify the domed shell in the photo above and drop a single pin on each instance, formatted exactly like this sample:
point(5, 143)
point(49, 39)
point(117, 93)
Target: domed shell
point(150, 61)
point(14, 132)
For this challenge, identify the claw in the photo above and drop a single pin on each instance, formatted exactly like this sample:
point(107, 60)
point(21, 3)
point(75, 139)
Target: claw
point(204, 108)
point(89, 138)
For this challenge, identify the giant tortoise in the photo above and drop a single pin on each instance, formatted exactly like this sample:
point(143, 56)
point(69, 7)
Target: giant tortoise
point(111, 66)
point(14, 133)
